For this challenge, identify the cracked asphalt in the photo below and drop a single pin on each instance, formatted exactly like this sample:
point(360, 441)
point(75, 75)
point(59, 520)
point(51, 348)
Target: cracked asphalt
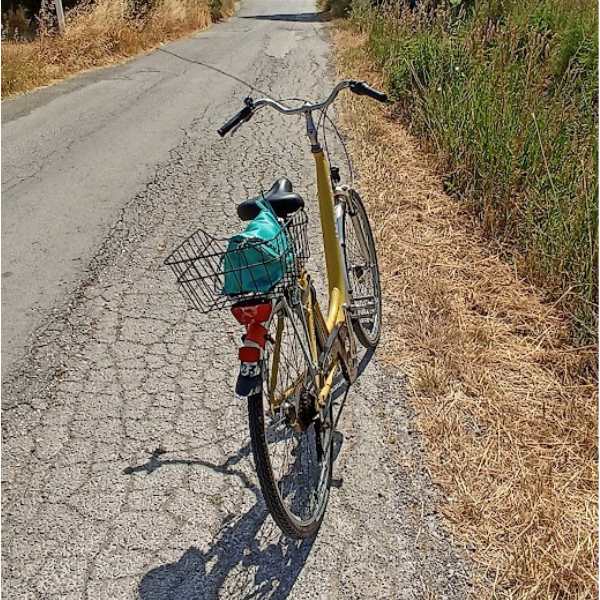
point(127, 470)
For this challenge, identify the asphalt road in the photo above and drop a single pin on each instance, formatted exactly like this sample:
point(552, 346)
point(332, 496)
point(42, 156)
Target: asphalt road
point(103, 365)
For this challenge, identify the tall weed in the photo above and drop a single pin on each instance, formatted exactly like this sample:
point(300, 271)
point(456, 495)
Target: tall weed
point(506, 93)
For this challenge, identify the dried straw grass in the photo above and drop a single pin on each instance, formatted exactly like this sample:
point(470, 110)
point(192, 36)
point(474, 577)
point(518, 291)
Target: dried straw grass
point(506, 406)
point(100, 34)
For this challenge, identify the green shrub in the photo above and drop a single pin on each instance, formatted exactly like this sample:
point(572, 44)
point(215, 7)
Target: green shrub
point(506, 92)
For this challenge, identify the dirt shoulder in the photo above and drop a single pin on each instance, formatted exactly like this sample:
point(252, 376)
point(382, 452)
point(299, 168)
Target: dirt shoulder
point(507, 407)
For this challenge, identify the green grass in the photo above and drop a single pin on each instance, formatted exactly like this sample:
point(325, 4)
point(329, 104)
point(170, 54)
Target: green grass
point(506, 92)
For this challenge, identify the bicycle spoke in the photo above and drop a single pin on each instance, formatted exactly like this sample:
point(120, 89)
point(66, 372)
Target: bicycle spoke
point(296, 461)
point(363, 274)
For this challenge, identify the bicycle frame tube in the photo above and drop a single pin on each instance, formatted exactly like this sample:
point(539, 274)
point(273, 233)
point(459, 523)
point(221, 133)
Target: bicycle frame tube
point(314, 322)
point(333, 259)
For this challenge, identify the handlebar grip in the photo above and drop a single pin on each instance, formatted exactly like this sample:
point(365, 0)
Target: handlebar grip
point(362, 89)
point(243, 115)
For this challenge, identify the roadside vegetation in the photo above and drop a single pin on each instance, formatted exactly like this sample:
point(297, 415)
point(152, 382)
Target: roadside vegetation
point(505, 396)
point(505, 94)
point(97, 34)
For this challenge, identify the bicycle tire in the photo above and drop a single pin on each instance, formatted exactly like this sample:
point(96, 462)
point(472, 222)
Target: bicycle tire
point(272, 488)
point(267, 481)
point(368, 337)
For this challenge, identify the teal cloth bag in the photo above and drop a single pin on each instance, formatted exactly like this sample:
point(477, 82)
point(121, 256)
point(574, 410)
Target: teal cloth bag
point(257, 258)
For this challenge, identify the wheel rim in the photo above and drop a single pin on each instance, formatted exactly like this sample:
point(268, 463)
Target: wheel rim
point(300, 460)
point(363, 277)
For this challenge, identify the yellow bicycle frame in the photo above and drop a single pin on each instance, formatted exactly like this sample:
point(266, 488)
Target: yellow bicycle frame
point(336, 315)
point(320, 328)
point(336, 283)
point(333, 259)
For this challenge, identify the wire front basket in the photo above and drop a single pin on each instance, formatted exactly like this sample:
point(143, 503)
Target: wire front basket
point(213, 274)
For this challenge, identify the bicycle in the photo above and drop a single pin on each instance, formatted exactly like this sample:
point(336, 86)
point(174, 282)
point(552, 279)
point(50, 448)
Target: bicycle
point(293, 354)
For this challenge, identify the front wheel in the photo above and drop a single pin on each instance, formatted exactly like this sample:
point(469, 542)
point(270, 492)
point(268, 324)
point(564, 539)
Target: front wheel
point(364, 286)
point(291, 443)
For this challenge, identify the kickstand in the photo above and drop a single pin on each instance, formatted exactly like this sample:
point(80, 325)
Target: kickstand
point(341, 406)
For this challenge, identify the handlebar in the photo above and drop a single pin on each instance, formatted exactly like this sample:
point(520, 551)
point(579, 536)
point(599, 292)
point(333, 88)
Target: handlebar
point(357, 87)
point(244, 115)
point(362, 89)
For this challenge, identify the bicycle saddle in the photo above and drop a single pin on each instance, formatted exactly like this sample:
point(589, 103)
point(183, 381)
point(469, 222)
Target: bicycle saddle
point(280, 196)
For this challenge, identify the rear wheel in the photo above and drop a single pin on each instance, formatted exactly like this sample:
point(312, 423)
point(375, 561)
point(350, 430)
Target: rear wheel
point(360, 257)
point(291, 442)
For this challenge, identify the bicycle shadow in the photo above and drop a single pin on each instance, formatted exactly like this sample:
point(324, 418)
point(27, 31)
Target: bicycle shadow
point(340, 385)
point(249, 554)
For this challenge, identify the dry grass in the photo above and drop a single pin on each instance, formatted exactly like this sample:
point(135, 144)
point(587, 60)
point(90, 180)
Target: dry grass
point(100, 34)
point(507, 407)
